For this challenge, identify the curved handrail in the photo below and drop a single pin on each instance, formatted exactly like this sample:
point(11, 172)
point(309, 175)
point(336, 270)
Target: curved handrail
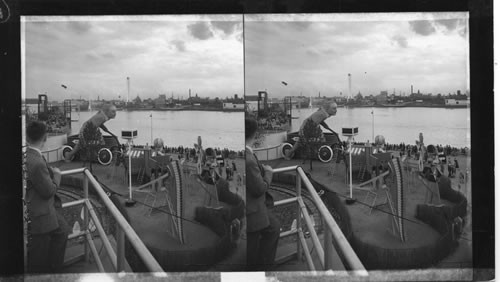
point(341, 241)
point(135, 241)
point(266, 148)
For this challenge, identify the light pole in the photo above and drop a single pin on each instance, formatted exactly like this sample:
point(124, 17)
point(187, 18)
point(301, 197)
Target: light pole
point(151, 116)
point(373, 126)
point(290, 107)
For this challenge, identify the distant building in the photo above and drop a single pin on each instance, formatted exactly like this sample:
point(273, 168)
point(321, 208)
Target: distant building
point(31, 105)
point(382, 97)
point(161, 100)
point(233, 106)
point(456, 102)
point(252, 102)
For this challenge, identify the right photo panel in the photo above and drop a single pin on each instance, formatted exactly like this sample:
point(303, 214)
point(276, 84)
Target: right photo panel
point(357, 134)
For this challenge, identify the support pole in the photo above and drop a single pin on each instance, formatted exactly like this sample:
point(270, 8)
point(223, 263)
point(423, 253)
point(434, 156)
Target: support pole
point(86, 215)
point(120, 252)
point(299, 216)
point(350, 200)
point(130, 202)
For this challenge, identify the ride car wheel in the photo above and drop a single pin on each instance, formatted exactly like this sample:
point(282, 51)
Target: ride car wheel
point(104, 156)
point(325, 153)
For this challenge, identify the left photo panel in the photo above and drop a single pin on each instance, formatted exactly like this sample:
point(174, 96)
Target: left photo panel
point(133, 143)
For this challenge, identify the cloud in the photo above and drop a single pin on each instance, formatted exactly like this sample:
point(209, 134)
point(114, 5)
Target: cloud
point(108, 55)
point(200, 30)
point(318, 52)
point(79, 27)
point(239, 37)
point(301, 26)
point(422, 27)
point(227, 27)
point(179, 45)
point(377, 54)
point(450, 24)
point(400, 40)
point(99, 55)
point(147, 51)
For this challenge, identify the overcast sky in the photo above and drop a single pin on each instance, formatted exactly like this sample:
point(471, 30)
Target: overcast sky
point(314, 54)
point(93, 56)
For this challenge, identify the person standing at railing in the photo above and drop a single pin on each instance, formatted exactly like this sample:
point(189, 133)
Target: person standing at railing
point(107, 112)
point(318, 118)
point(263, 228)
point(47, 228)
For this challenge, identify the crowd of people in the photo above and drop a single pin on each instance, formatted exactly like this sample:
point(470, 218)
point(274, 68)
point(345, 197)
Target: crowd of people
point(412, 150)
point(189, 153)
point(274, 121)
point(57, 124)
point(55, 121)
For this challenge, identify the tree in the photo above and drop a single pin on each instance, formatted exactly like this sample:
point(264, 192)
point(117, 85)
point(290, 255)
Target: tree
point(359, 97)
point(90, 142)
point(137, 101)
point(310, 140)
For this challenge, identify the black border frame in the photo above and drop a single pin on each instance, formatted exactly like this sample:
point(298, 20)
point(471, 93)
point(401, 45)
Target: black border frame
point(481, 85)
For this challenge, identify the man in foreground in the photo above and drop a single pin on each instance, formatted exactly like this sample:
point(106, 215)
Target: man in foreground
point(47, 231)
point(263, 228)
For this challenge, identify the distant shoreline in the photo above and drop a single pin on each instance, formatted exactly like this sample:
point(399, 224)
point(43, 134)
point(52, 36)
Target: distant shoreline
point(181, 109)
point(405, 106)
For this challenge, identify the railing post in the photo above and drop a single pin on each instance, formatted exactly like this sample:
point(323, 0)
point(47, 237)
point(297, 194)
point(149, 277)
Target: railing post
point(120, 252)
point(328, 247)
point(86, 215)
point(298, 182)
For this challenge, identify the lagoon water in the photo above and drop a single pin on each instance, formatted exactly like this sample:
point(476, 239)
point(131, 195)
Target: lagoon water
point(438, 125)
point(226, 129)
point(177, 128)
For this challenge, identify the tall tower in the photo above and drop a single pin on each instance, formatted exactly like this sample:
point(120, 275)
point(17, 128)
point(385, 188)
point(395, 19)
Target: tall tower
point(128, 89)
point(411, 90)
point(350, 85)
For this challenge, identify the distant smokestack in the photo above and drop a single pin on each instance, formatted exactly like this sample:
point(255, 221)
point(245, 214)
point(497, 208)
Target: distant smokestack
point(349, 78)
point(189, 92)
point(128, 89)
point(411, 90)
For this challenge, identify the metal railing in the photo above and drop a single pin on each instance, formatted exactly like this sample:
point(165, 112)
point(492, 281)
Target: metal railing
point(333, 237)
point(267, 149)
point(47, 154)
point(123, 229)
